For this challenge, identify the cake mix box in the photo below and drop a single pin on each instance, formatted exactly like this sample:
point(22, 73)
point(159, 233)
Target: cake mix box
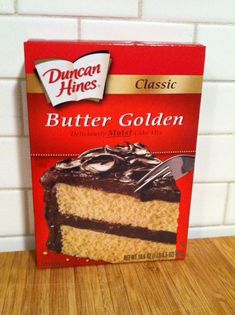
point(113, 130)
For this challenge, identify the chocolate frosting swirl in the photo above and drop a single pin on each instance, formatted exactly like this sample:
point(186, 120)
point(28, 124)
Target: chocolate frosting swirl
point(114, 169)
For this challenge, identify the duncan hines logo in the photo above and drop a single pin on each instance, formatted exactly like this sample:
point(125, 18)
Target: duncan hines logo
point(66, 81)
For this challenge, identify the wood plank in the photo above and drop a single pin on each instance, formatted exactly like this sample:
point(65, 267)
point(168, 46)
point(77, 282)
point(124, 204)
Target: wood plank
point(105, 290)
point(119, 296)
point(215, 275)
point(16, 284)
point(154, 286)
point(62, 292)
point(201, 284)
point(6, 262)
point(88, 293)
point(183, 285)
point(137, 297)
point(226, 245)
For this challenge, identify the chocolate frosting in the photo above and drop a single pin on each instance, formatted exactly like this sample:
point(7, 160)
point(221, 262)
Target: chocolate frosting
point(114, 169)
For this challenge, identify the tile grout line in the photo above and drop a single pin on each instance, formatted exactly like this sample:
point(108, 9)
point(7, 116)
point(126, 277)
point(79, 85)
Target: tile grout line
point(16, 235)
point(212, 225)
point(216, 133)
point(11, 78)
point(188, 22)
point(19, 83)
point(26, 205)
point(195, 33)
point(79, 29)
point(140, 9)
point(30, 210)
point(15, 6)
point(69, 16)
point(26, 137)
point(108, 18)
point(226, 202)
point(130, 19)
point(15, 188)
point(24, 104)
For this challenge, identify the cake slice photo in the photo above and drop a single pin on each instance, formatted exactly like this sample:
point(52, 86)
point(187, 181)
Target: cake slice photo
point(97, 209)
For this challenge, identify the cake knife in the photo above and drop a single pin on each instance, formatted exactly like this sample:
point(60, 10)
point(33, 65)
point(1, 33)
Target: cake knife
point(177, 166)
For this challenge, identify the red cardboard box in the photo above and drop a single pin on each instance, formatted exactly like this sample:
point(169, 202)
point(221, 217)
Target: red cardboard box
point(113, 130)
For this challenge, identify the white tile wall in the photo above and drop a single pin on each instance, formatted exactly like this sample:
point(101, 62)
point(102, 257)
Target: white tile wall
point(10, 126)
point(128, 30)
point(30, 212)
point(217, 108)
point(120, 8)
point(10, 97)
point(208, 203)
point(219, 40)
point(190, 10)
point(13, 217)
point(215, 159)
point(211, 231)
point(7, 6)
point(19, 29)
point(15, 163)
point(24, 106)
point(10, 113)
point(207, 21)
point(16, 243)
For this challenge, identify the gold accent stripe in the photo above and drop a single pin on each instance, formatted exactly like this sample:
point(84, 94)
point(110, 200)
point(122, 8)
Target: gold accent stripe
point(127, 84)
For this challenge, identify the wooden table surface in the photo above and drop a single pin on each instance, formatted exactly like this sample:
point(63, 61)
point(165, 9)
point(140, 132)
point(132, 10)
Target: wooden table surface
point(201, 284)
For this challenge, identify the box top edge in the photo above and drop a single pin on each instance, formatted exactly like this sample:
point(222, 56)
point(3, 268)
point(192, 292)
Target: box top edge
point(115, 42)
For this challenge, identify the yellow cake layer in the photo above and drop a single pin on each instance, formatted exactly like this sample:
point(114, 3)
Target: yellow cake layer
point(111, 248)
point(117, 208)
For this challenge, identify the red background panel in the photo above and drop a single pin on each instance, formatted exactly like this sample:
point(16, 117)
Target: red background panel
point(127, 58)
